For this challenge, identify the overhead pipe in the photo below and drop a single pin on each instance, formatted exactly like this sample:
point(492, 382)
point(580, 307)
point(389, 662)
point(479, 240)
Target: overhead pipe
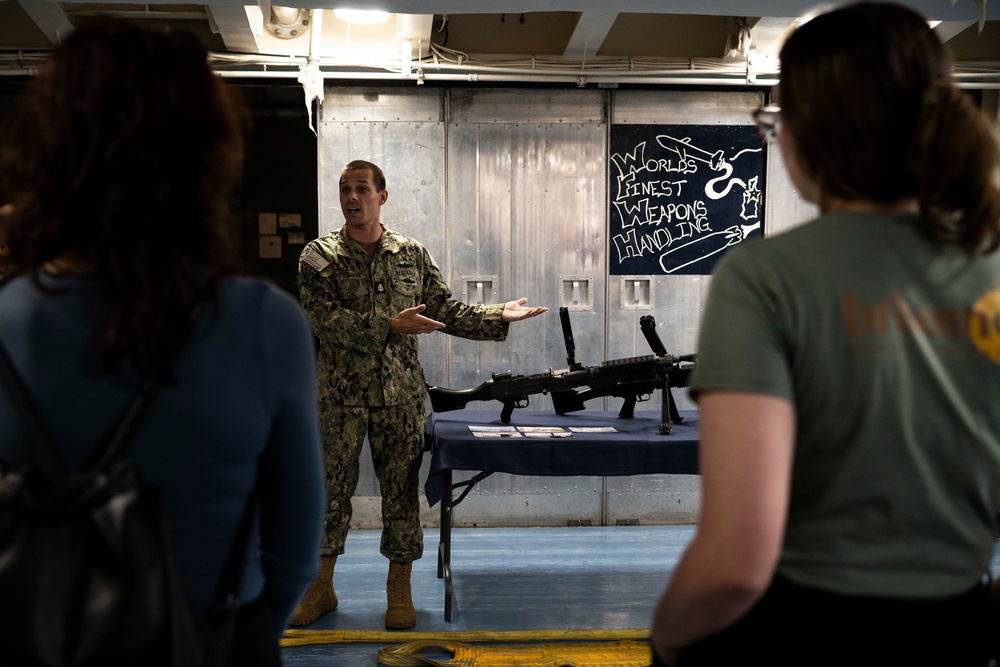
point(476, 77)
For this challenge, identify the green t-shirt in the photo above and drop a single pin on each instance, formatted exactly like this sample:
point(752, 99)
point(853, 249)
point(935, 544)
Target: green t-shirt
point(889, 349)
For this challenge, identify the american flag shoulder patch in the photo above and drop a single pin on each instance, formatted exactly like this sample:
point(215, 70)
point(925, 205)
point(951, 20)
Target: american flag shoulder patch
point(314, 259)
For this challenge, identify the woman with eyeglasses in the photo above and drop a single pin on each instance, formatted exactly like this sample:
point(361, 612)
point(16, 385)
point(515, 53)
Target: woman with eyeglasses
point(849, 376)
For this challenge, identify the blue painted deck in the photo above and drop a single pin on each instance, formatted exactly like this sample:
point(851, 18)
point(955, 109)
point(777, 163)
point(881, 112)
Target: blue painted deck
point(508, 579)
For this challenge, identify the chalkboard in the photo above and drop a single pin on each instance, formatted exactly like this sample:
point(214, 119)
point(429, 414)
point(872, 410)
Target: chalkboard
point(681, 195)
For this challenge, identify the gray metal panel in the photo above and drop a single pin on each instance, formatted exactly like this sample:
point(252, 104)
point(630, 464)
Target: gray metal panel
point(532, 501)
point(784, 207)
point(506, 483)
point(657, 483)
point(351, 104)
point(685, 107)
point(526, 106)
point(666, 507)
point(479, 215)
point(531, 209)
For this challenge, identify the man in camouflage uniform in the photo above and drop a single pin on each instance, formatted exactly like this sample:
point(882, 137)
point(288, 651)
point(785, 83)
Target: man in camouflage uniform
point(369, 292)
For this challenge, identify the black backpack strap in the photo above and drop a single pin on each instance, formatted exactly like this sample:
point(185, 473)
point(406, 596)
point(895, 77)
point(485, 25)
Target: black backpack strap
point(128, 423)
point(212, 645)
point(49, 458)
point(227, 590)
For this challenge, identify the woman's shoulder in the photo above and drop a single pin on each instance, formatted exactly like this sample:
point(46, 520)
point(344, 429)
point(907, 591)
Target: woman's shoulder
point(246, 298)
point(249, 289)
point(14, 289)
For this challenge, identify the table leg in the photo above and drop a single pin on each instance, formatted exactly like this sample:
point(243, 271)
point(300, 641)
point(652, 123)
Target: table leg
point(444, 545)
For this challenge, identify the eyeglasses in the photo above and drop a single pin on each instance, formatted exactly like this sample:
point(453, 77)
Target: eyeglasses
point(768, 121)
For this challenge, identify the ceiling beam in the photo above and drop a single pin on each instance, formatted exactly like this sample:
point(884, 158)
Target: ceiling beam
point(946, 30)
point(233, 25)
point(769, 34)
point(589, 34)
point(49, 17)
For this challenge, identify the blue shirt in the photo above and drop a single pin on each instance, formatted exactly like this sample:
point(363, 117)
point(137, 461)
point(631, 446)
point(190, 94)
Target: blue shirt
point(242, 411)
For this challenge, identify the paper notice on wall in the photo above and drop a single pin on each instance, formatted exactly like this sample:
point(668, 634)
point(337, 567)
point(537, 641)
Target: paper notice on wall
point(290, 220)
point(267, 223)
point(270, 247)
point(296, 238)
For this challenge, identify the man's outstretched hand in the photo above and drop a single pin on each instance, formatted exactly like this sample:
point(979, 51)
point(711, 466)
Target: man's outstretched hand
point(410, 321)
point(514, 311)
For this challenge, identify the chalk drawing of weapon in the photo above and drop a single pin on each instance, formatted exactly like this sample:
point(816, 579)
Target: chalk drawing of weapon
point(685, 151)
point(714, 242)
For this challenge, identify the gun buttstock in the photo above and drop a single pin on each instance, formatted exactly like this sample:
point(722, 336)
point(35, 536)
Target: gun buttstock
point(446, 400)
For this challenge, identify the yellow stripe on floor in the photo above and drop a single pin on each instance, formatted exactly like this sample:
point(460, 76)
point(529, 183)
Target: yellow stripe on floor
point(307, 637)
point(617, 654)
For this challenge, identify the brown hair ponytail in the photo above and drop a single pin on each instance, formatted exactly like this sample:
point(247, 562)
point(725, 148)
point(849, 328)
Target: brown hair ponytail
point(956, 161)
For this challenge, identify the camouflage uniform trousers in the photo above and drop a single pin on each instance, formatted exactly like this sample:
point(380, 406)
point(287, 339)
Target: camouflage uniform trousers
point(396, 436)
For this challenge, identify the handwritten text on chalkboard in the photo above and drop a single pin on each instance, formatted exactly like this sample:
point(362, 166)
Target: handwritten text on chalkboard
point(681, 195)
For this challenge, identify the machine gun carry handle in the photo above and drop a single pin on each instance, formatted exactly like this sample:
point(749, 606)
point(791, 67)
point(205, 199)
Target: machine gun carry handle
point(648, 327)
point(567, 330)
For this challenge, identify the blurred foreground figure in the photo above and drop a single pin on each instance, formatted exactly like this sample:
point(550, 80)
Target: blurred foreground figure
point(849, 376)
point(119, 162)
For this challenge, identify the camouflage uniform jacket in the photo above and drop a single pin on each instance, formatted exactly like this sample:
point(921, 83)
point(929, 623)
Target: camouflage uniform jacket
point(350, 298)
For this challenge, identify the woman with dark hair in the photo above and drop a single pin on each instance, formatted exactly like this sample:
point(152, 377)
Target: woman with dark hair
point(849, 376)
point(118, 164)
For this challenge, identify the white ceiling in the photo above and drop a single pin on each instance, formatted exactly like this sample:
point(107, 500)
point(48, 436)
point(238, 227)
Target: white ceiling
point(647, 42)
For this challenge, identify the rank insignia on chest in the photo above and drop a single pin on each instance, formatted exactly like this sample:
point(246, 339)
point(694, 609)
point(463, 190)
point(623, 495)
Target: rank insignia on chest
point(379, 287)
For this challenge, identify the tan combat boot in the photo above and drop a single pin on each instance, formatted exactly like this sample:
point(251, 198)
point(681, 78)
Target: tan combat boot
point(400, 615)
point(320, 597)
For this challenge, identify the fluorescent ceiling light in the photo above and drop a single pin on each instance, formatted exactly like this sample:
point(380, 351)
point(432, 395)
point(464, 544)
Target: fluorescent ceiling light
point(361, 16)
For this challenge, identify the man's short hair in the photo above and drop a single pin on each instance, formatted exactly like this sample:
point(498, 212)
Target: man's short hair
point(376, 172)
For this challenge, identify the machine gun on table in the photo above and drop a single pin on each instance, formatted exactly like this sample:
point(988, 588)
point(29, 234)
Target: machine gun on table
point(633, 379)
